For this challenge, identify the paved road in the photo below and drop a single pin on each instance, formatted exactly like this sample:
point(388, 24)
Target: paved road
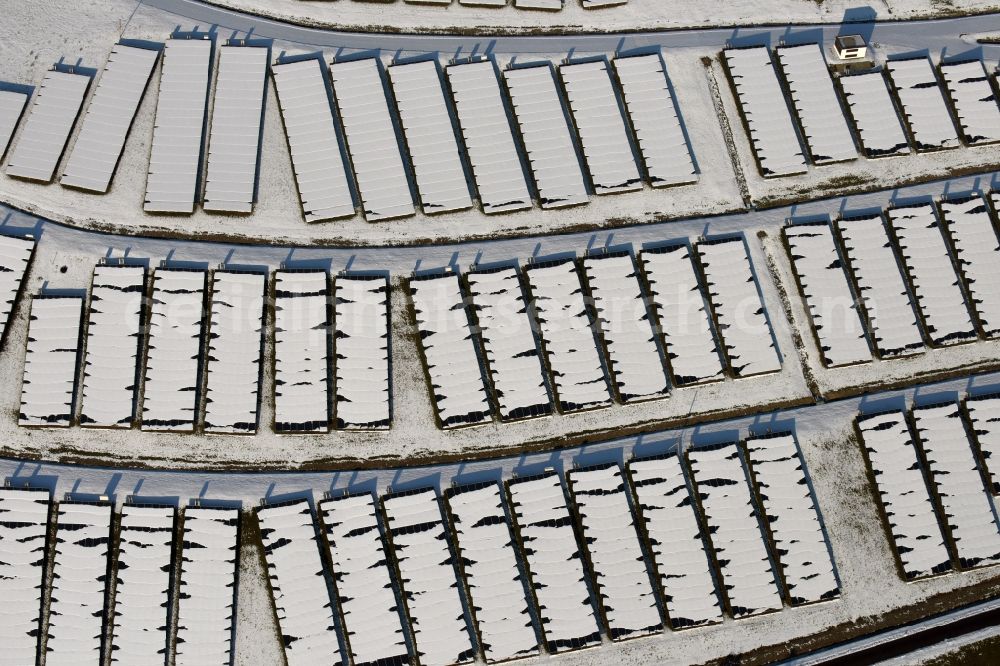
point(938, 35)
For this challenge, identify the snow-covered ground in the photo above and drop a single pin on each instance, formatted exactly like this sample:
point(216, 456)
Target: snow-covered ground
point(636, 15)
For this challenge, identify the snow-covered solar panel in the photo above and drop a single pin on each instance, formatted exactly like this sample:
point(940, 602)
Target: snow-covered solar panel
point(301, 351)
point(449, 351)
point(539, 4)
point(114, 336)
point(955, 476)
point(935, 284)
point(53, 114)
point(832, 307)
point(546, 136)
point(428, 578)
point(320, 173)
point(599, 123)
point(496, 587)
point(430, 137)
point(175, 340)
point(49, 383)
point(875, 117)
point(923, 104)
point(79, 578)
point(903, 492)
point(815, 101)
point(206, 605)
point(143, 582)
point(109, 117)
point(483, 3)
point(371, 139)
point(667, 514)
point(372, 622)
point(739, 310)
point(615, 553)
point(509, 343)
point(793, 519)
point(24, 520)
point(765, 111)
point(655, 120)
point(564, 322)
point(734, 529)
point(181, 107)
point(977, 252)
point(488, 138)
point(235, 345)
point(984, 417)
point(15, 255)
point(881, 290)
point(12, 105)
point(237, 114)
point(553, 560)
point(633, 356)
point(975, 103)
point(298, 584)
point(361, 320)
point(682, 315)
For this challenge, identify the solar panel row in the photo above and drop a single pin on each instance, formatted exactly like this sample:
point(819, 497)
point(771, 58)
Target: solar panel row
point(153, 350)
point(578, 335)
point(795, 98)
point(135, 599)
point(923, 274)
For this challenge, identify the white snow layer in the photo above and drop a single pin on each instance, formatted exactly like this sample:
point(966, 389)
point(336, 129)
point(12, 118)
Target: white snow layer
point(24, 521)
point(977, 253)
point(361, 334)
point(923, 104)
point(874, 114)
point(49, 383)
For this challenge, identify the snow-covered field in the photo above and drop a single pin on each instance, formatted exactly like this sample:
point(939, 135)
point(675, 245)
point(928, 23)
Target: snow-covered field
point(636, 15)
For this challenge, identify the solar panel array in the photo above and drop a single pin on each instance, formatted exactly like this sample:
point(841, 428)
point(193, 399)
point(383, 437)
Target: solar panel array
point(24, 520)
point(656, 122)
point(371, 139)
point(235, 351)
point(641, 324)
point(48, 386)
point(134, 596)
point(832, 306)
point(974, 100)
point(143, 584)
point(921, 272)
point(206, 605)
point(15, 257)
point(179, 128)
point(614, 552)
point(427, 574)
point(151, 350)
point(922, 101)
point(12, 105)
point(816, 105)
point(301, 351)
point(295, 570)
point(237, 116)
point(880, 131)
point(486, 548)
point(320, 172)
point(114, 345)
point(53, 114)
point(176, 329)
point(939, 503)
point(734, 530)
point(109, 118)
point(602, 130)
point(903, 493)
point(430, 137)
point(762, 103)
point(792, 518)
point(79, 584)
